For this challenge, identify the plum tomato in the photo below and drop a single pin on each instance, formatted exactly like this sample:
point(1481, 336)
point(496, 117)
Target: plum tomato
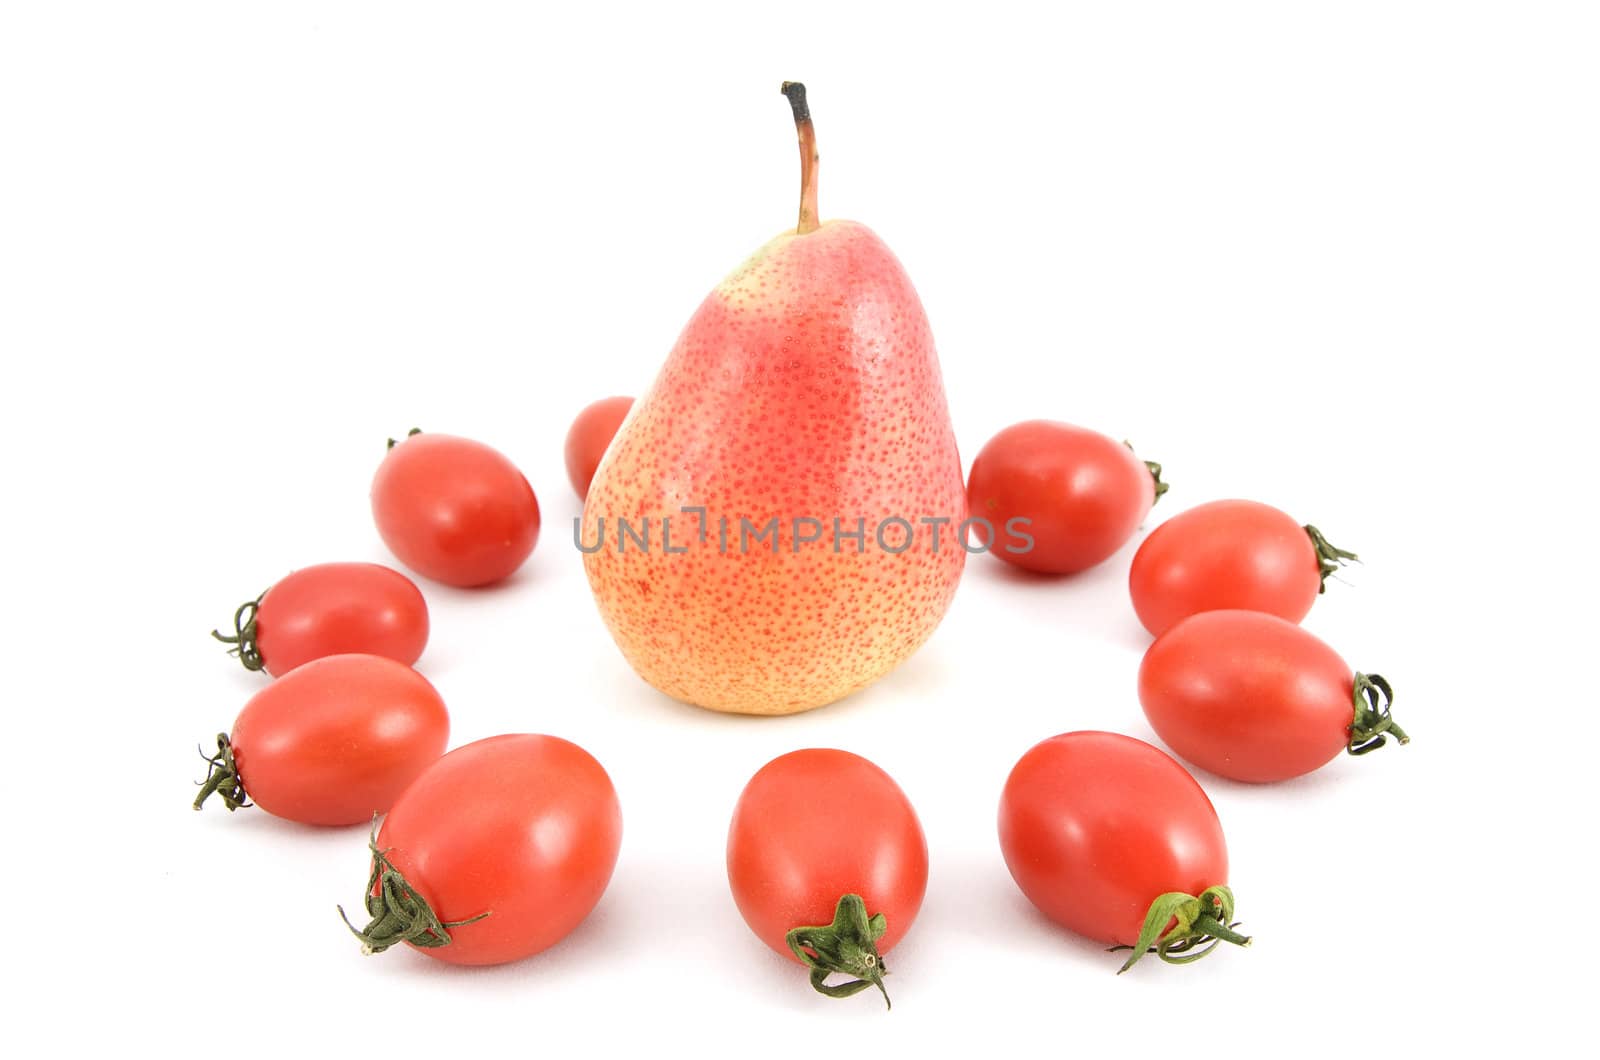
point(1230, 555)
point(1082, 495)
point(1252, 697)
point(454, 510)
point(828, 864)
point(588, 438)
point(1113, 839)
point(331, 742)
point(330, 609)
point(495, 853)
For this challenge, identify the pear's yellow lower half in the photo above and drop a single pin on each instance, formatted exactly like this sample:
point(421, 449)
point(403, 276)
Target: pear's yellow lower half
point(777, 522)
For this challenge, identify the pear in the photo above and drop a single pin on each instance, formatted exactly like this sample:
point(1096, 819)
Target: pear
point(779, 520)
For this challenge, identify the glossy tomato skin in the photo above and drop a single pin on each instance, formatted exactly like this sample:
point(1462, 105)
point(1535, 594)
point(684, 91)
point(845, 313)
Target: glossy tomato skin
point(340, 609)
point(454, 510)
point(525, 827)
point(814, 825)
point(1083, 493)
point(1247, 695)
point(1224, 555)
point(588, 438)
point(1095, 826)
point(337, 740)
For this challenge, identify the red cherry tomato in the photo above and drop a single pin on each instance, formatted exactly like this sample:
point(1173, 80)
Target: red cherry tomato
point(1252, 697)
point(1114, 840)
point(330, 609)
point(1082, 495)
point(591, 432)
point(332, 742)
point(496, 852)
point(827, 863)
point(1229, 554)
point(454, 510)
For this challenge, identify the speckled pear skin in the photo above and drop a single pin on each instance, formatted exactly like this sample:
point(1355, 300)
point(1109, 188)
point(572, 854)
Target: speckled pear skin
point(805, 386)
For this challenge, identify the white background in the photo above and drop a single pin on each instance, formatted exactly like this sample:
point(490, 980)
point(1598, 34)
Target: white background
point(1339, 258)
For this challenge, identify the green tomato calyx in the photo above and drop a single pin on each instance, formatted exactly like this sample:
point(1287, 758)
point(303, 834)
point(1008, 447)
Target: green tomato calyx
point(1198, 924)
point(222, 777)
point(1372, 725)
point(1329, 557)
point(848, 946)
point(244, 635)
point(399, 913)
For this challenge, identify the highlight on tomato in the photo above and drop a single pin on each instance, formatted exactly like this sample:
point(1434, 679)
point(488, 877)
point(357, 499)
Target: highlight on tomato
point(329, 743)
point(589, 437)
point(1252, 697)
point(1079, 494)
point(495, 853)
point(1113, 839)
point(330, 609)
point(828, 864)
point(1232, 554)
point(454, 510)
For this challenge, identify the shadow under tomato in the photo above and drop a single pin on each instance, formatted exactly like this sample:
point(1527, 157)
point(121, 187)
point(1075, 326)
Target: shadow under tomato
point(978, 898)
point(1093, 603)
point(581, 953)
point(1319, 783)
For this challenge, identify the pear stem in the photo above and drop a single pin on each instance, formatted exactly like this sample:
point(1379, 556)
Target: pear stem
point(808, 156)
